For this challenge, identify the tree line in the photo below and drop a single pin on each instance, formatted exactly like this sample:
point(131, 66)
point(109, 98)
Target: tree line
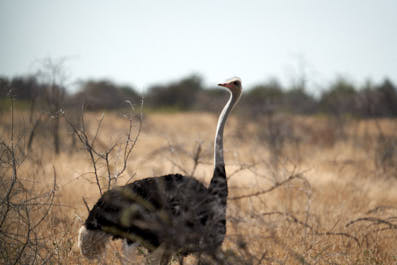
point(341, 97)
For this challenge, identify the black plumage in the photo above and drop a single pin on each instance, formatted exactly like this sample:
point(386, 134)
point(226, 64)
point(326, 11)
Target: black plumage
point(174, 210)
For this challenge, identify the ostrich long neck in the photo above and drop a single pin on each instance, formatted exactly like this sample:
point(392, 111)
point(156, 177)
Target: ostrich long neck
point(218, 145)
point(218, 183)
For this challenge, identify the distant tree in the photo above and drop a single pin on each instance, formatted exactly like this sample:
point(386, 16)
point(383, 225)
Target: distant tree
point(378, 100)
point(104, 94)
point(210, 99)
point(340, 98)
point(25, 87)
point(368, 101)
point(297, 100)
point(388, 98)
point(129, 93)
point(181, 94)
point(4, 86)
point(101, 94)
point(264, 98)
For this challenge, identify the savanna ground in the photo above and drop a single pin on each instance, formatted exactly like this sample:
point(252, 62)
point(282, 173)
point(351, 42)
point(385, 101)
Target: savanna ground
point(303, 190)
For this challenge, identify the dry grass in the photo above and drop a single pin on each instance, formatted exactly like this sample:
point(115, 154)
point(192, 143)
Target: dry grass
point(326, 199)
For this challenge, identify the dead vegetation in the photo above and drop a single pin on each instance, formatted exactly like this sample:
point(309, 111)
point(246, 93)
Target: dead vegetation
point(301, 192)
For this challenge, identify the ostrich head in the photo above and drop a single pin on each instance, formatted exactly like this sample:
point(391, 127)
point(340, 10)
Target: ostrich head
point(234, 85)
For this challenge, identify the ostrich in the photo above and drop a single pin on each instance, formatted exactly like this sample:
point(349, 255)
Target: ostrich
point(171, 214)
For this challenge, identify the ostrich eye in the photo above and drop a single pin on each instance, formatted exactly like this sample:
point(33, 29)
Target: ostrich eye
point(235, 83)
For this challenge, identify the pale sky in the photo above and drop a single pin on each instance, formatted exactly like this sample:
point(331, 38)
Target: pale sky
point(143, 42)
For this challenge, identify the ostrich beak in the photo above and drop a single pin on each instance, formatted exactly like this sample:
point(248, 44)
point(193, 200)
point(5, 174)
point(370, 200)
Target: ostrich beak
point(224, 85)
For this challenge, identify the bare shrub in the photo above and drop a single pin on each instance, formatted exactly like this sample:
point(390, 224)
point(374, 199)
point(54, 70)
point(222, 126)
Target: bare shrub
point(102, 157)
point(385, 154)
point(276, 131)
point(24, 207)
point(53, 75)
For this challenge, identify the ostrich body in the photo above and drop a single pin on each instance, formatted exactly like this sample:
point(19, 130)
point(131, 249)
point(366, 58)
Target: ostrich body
point(173, 212)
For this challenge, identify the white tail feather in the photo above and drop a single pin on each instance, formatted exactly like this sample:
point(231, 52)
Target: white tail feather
point(92, 244)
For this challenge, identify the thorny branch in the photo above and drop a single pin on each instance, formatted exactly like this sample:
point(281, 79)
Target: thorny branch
point(131, 141)
point(97, 156)
point(294, 219)
point(275, 186)
point(373, 220)
point(22, 210)
point(194, 156)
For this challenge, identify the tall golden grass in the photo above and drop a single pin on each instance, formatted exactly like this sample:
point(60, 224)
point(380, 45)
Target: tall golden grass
point(314, 192)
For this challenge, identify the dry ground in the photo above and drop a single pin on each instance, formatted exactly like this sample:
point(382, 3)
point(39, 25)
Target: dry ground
point(303, 190)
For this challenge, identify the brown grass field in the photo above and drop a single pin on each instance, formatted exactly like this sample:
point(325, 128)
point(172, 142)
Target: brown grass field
point(303, 190)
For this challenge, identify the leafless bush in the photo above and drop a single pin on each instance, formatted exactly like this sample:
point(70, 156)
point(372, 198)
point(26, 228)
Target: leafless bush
point(23, 208)
point(276, 131)
point(386, 152)
point(45, 92)
point(103, 156)
point(53, 75)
